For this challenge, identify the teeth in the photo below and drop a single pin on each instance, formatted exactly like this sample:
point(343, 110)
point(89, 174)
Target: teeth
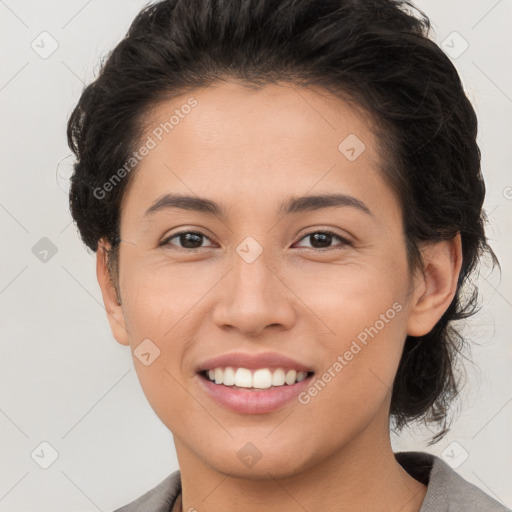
point(301, 376)
point(291, 376)
point(229, 376)
point(278, 377)
point(262, 378)
point(243, 378)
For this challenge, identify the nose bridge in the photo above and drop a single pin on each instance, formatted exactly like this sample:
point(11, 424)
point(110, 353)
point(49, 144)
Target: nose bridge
point(251, 273)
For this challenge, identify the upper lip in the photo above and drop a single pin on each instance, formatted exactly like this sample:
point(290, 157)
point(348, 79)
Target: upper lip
point(253, 361)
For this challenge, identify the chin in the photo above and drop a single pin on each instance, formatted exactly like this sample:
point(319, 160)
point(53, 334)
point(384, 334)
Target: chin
point(250, 464)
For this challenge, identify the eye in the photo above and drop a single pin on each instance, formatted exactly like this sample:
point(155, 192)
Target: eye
point(324, 238)
point(191, 240)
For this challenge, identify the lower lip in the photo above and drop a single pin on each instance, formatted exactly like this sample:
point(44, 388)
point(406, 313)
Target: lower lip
point(248, 401)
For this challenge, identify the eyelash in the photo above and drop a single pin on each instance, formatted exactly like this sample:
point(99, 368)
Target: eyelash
point(344, 241)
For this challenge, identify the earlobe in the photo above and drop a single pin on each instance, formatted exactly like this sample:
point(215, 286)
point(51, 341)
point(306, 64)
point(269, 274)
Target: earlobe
point(112, 304)
point(436, 286)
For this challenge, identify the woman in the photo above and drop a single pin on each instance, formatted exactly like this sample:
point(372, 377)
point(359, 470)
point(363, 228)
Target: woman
point(285, 199)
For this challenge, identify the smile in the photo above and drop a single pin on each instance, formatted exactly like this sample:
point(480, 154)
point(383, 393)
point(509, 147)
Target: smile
point(277, 388)
point(261, 378)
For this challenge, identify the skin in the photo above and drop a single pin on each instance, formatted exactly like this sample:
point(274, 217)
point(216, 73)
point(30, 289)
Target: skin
point(249, 151)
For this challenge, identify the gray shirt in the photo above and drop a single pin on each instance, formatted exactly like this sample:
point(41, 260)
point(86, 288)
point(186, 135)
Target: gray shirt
point(447, 491)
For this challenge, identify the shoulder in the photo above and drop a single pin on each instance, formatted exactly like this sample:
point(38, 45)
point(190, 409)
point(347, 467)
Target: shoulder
point(447, 490)
point(159, 499)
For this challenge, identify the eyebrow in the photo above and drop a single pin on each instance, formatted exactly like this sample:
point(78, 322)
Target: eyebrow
point(292, 205)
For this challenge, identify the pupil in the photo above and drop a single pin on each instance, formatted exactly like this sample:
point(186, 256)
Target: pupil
point(187, 241)
point(324, 237)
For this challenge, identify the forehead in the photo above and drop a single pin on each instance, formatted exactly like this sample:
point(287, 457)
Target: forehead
point(279, 115)
point(230, 141)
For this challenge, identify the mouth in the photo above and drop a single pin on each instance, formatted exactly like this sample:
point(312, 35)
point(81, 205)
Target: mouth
point(254, 391)
point(257, 380)
point(253, 383)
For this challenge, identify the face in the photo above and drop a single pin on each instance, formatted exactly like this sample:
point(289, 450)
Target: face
point(323, 288)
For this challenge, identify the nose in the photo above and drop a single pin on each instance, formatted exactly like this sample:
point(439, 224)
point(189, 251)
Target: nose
point(254, 297)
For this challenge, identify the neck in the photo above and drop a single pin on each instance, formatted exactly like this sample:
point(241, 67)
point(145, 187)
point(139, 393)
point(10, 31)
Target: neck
point(362, 476)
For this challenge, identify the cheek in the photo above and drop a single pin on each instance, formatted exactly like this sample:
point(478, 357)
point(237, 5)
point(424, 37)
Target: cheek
point(152, 307)
point(361, 363)
point(354, 388)
point(350, 299)
point(157, 295)
point(365, 310)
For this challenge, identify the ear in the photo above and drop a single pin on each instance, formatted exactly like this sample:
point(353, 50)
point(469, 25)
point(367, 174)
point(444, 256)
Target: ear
point(435, 287)
point(113, 306)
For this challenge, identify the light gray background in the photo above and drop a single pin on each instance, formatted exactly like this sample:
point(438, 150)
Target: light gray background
point(64, 379)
